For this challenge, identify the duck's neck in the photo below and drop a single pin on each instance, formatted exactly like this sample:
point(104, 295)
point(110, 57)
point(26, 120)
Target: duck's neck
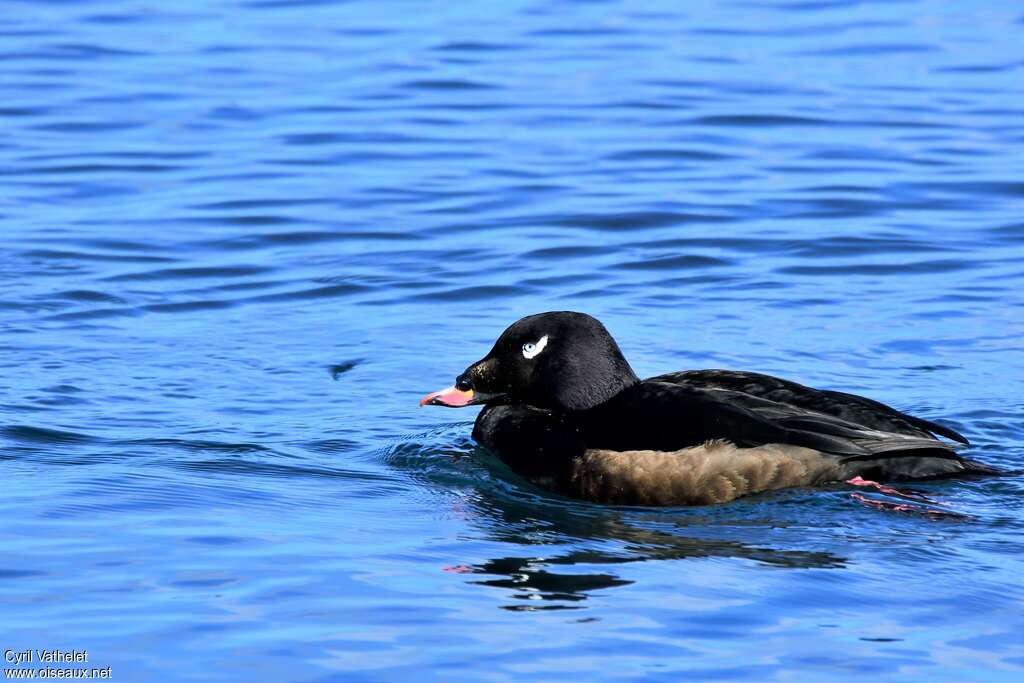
point(602, 385)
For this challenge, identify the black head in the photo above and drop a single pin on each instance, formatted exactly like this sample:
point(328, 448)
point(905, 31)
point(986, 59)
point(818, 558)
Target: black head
point(560, 361)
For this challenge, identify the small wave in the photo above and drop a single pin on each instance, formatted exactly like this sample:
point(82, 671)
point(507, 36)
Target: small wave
point(19, 573)
point(194, 272)
point(88, 295)
point(253, 467)
point(96, 314)
point(759, 120)
point(193, 445)
point(635, 220)
point(55, 254)
point(575, 251)
point(267, 203)
point(668, 155)
point(448, 84)
point(915, 268)
point(43, 435)
point(476, 293)
point(682, 262)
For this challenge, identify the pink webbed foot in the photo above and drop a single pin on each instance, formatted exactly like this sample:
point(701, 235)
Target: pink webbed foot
point(906, 494)
point(890, 506)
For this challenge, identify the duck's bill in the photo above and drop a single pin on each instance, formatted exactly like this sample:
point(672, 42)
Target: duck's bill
point(454, 398)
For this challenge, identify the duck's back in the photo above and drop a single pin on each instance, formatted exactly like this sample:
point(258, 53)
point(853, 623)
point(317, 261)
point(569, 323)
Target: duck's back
point(777, 397)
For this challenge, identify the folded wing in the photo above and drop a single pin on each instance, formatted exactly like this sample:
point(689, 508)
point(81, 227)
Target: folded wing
point(872, 438)
point(746, 388)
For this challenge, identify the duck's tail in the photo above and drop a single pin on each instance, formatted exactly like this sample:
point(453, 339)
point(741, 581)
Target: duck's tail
point(885, 455)
point(918, 463)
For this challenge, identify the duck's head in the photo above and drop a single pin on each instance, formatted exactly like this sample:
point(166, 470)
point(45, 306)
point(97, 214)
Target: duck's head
point(559, 361)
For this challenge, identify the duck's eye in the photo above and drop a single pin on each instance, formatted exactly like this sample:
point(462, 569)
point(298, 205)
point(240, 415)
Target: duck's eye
point(531, 349)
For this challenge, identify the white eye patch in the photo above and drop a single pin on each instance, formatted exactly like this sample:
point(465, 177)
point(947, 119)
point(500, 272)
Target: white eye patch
point(531, 349)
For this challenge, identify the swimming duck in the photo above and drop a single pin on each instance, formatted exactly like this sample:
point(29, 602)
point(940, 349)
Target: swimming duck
point(563, 408)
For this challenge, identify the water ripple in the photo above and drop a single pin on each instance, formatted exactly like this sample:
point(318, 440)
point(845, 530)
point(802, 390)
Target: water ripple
point(239, 247)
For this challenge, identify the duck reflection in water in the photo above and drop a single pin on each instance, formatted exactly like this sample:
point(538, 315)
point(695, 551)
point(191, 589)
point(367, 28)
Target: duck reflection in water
point(579, 545)
point(587, 542)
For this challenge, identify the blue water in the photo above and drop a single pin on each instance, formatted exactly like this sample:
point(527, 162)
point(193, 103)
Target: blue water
point(241, 239)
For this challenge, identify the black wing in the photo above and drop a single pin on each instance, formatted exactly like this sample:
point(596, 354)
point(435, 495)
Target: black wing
point(753, 390)
point(657, 415)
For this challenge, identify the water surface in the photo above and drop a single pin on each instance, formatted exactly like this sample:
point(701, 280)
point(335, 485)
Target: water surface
point(241, 239)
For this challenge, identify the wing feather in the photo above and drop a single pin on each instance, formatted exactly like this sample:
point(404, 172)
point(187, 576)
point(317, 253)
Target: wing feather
point(751, 389)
